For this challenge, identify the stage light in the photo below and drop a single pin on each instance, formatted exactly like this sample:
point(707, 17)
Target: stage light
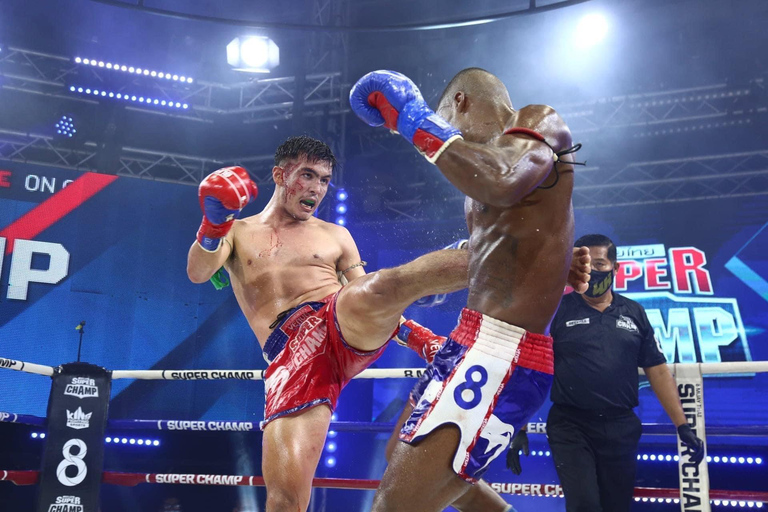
point(341, 195)
point(34, 435)
point(42, 435)
point(331, 447)
point(332, 434)
point(108, 440)
point(132, 441)
point(341, 208)
point(124, 441)
point(330, 462)
point(155, 443)
point(591, 29)
point(66, 126)
point(341, 221)
point(254, 54)
point(78, 60)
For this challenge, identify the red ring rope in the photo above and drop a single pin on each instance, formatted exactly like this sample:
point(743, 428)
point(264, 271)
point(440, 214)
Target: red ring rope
point(132, 479)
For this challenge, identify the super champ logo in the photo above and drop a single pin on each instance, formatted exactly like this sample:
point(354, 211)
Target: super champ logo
point(675, 288)
point(82, 387)
point(66, 504)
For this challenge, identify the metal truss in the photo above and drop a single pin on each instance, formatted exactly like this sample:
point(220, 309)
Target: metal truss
point(673, 111)
point(138, 163)
point(642, 183)
point(683, 179)
point(257, 100)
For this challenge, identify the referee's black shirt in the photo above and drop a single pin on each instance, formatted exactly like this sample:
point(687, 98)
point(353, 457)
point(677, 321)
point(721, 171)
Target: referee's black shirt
point(597, 354)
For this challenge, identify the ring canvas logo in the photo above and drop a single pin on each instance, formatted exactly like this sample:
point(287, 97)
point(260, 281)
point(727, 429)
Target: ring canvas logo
point(82, 387)
point(78, 419)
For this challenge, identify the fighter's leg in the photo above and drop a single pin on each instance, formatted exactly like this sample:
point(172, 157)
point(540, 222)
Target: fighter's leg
point(479, 498)
point(292, 447)
point(369, 307)
point(436, 487)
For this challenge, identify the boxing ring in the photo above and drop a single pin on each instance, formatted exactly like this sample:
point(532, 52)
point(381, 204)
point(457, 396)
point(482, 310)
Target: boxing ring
point(718, 497)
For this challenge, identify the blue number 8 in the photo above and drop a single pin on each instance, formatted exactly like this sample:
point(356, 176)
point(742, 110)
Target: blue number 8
point(472, 385)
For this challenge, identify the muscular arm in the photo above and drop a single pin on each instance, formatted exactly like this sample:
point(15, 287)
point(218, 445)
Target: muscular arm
point(665, 388)
point(201, 264)
point(501, 174)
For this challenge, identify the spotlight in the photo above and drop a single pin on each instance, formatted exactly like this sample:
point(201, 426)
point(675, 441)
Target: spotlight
point(330, 462)
point(341, 221)
point(254, 54)
point(65, 127)
point(341, 195)
point(42, 435)
point(332, 434)
point(341, 208)
point(591, 29)
point(34, 435)
point(331, 447)
point(108, 440)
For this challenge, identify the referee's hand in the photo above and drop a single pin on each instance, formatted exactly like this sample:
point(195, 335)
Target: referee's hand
point(519, 443)
point(694, 444)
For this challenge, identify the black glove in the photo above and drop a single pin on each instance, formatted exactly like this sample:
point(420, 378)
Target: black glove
point(519, 442)
point(694, 444)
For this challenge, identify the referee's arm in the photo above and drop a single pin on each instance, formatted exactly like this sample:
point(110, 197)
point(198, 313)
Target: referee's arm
point(665, 388)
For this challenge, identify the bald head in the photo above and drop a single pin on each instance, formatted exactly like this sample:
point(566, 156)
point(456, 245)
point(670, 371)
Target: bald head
point(476, 83)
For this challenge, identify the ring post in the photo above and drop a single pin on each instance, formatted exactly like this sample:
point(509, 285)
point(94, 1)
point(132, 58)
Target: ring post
point(70, 477)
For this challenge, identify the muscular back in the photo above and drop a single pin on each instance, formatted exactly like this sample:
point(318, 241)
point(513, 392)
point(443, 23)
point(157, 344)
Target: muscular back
point(520, 254)
point(275, 268)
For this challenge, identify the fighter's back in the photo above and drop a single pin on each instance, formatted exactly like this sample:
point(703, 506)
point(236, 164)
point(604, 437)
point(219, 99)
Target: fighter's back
point(520, 254)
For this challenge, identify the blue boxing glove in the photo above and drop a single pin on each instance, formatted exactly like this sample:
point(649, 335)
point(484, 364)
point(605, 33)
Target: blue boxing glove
point(435, 300)
point(391, 99)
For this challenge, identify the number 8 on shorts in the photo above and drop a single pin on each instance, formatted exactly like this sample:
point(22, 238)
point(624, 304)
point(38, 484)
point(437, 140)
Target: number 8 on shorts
point(468, 394)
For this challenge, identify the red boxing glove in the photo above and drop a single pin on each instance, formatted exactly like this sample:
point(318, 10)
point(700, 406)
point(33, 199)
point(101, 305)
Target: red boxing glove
point(419, 339)
point(223, 194)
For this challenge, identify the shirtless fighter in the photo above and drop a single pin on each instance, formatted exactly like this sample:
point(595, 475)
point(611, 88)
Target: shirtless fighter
point(495, 370)
point(283, 263)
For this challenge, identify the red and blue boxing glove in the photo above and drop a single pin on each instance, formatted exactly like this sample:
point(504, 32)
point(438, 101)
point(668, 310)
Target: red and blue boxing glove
point(223, 194)
point(391, 99)
point(420, 339)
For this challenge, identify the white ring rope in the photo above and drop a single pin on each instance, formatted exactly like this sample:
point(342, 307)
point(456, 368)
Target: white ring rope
point(739, 367)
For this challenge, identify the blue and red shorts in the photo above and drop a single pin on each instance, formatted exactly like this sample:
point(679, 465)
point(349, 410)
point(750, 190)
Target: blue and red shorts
point(310, 363)
point(488, 379)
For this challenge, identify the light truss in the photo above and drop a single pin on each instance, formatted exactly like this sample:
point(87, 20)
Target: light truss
point(257, 100)
point(683, 179)
point(138, 163)
point(640, 183)
point(670, 111)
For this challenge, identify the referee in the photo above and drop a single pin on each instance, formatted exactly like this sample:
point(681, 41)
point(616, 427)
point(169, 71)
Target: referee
point(600, 339)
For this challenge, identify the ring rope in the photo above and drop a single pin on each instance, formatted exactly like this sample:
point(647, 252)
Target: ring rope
point(738, 367)
point(651, 429)
point(519, 489)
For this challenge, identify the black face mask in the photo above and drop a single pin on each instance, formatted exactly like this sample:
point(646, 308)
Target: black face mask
point(599, 283)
